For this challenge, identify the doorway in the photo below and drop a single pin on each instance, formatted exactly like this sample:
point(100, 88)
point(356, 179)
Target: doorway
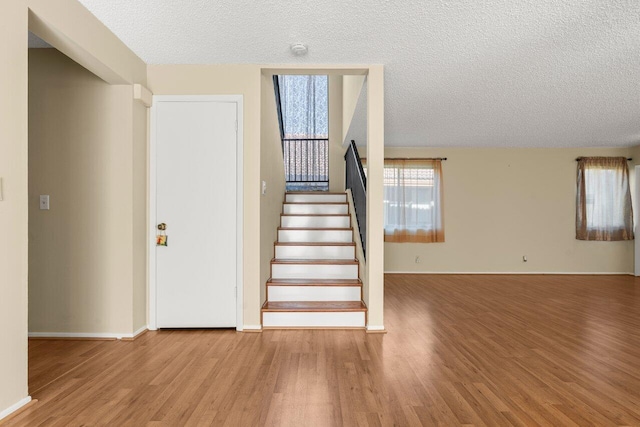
point(196, 212)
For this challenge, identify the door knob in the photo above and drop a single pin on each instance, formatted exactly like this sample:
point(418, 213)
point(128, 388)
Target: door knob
point(162, 226)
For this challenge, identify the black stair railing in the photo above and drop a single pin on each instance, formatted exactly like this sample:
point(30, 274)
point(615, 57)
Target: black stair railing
point(356, 181)
point(306, 163)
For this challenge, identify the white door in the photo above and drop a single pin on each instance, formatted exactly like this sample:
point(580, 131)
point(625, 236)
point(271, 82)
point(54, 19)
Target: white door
point(195, 146)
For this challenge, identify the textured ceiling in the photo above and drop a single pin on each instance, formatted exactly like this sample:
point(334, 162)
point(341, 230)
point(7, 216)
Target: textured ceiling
point(533, 73)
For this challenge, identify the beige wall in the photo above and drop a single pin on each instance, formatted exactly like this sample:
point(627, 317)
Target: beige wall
point(352, 86)
point(336, 152)
point(272, 172)
point(362, 261)
point(73, 30)
point(87, 151)
point(139, 204)
point(501, 204)
point(88, 42)
point(242, 80)
point(248, 80)
point(375, 222)
point(13, 207)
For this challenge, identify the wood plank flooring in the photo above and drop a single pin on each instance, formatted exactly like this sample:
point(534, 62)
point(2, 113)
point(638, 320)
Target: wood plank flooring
point(460, 350)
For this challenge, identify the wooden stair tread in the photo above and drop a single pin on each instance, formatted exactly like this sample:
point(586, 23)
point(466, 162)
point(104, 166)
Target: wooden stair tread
point(315, 261)
point(316, 203)
point(315, 228)
point(332, 215)
point(317, 192)
point(314, 243)
point(314, 282)
point(314, 306)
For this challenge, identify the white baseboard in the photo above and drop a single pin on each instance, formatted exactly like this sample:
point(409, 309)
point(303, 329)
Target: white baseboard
point(13, 408)
point(98, 335)
point(252, 328)
point(138, 332)
point(574, 273)
point(375, 328)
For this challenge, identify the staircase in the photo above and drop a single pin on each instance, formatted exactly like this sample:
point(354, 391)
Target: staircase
point(314, 273)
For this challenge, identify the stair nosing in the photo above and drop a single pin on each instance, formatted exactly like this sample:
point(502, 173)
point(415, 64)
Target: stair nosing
point(313, 283)
point(320, 193)
point(315, 203)
point(321, 261)
point(314, 215)
point(311, 308)
point(277, 243)
point(316, 228)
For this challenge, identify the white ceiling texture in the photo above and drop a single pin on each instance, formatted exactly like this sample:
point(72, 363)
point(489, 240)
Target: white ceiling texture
point(490, 73)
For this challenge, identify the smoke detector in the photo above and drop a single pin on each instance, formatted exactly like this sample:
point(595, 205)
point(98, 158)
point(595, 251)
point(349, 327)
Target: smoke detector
point(299, 49)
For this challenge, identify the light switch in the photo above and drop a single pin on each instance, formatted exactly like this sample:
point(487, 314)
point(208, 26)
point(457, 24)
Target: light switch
point(44, 202)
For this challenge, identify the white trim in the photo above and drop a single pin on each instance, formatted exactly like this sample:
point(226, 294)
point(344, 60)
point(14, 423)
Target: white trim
point(635, 198)
point(375, 328)
point(240, 214)
point(252, 327)
point(575, 273)
point(13, 408)
point(239, 101)
point(100, 335)
point(139, 331)
point(151, 257)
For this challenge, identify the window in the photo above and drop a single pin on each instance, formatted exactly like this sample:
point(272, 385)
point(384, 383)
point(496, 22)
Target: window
point(603, 202)
point(413, 201)
point(303, 113)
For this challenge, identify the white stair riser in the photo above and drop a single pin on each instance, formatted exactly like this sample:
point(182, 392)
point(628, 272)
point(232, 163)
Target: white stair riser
point(349, 319)
point(314, 271)
point(315, 221)
point(315, 252)
point(314, 293)
point(315, 209)
point(341, 236)
point(316, 198)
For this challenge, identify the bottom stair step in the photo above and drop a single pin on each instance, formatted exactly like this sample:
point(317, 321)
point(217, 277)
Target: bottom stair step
point(321, 290)
point(314, 314)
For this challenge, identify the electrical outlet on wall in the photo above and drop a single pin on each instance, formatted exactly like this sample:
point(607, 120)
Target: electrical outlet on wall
point(44, 202)
point(418, 260)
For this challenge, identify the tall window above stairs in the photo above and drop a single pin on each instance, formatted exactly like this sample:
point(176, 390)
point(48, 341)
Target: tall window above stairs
point(303, 113)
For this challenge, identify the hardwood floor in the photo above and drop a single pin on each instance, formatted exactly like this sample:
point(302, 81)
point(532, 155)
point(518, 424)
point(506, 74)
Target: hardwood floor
point(460, 350)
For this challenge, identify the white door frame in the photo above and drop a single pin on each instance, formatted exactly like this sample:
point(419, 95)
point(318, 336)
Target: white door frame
point(238, 100)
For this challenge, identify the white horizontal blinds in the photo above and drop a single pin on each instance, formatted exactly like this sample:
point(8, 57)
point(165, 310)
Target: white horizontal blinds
point(603, 205)
point(413, 201)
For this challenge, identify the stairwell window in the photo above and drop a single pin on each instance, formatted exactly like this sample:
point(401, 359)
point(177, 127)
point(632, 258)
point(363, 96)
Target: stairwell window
point(603, 201)
point(413, 201)
point(302, 103)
